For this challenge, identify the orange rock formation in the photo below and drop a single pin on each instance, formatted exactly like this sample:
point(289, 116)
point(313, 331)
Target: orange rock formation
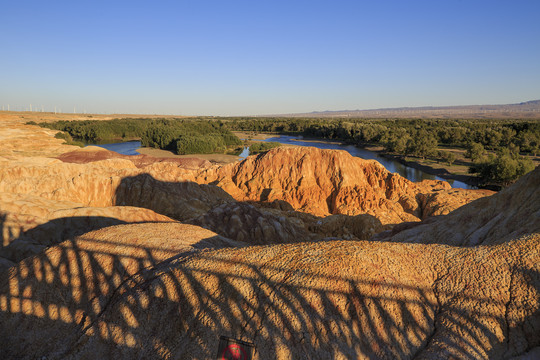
point(323, 182)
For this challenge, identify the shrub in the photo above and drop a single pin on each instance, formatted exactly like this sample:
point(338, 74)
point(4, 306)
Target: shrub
point(447, 156)
point(201, 144)
point(503, 169)
point(260, 147)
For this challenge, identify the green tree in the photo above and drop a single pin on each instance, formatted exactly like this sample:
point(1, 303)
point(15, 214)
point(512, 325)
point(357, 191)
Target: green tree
point(502, 169)
point(447, 156)
point(475, 151)
point(422, 144)
point(395, 140)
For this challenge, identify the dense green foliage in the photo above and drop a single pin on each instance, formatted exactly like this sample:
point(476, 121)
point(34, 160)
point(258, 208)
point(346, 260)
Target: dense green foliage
point(405, 136)
point(189, 136)
point(260, 147)
point(503, 168)
point(183, 136)
point(68, 139)
point(92, 131)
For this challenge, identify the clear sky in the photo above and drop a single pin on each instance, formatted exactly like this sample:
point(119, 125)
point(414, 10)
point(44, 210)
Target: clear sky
point(206, 57)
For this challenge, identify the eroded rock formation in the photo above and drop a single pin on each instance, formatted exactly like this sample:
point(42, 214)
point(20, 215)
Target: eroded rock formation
point(324, 182)
point(30, 224)
point(107, 183)
point(350, 299)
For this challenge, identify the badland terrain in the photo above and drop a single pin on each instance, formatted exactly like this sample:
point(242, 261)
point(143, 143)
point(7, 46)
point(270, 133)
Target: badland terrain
point(306, 253)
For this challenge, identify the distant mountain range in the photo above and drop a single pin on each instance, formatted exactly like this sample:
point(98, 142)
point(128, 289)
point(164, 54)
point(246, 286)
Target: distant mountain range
point(524, 110)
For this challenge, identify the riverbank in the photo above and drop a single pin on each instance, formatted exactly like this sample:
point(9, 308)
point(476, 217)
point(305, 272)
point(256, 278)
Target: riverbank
point(213, 158)
point(441, 170)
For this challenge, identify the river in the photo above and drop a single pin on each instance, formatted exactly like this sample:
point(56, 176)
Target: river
point(124, 148)
point(130, 148)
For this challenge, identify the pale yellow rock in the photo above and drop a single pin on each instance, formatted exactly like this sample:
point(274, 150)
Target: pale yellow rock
point(346, 298)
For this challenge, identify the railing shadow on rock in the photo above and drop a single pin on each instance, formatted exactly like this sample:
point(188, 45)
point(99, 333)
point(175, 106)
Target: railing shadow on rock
point(104, 299)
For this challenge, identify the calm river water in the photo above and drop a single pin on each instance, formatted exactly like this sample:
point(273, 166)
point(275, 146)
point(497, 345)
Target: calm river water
point(124, 148)
point(130, 148)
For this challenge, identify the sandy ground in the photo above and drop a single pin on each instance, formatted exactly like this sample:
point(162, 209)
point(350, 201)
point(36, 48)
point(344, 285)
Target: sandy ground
point(215, 158)
point(253, 135)
point(25, 116)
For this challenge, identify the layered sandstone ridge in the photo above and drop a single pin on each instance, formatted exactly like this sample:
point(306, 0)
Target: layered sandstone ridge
point(30, 224)
point(323, 182)
point(107, 183)
point(18, 139)
point(511, 213)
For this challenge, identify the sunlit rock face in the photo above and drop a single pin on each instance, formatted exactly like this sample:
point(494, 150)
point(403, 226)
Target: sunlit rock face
point(323, 182)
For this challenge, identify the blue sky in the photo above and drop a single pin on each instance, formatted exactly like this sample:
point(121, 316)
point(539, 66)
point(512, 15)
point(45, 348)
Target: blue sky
point(265, 57)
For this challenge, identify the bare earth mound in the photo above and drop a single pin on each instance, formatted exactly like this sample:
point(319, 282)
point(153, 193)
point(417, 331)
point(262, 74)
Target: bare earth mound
point(94, 153)
point(507, 215)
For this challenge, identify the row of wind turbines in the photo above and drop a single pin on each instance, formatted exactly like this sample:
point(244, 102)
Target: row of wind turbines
point(36, 109)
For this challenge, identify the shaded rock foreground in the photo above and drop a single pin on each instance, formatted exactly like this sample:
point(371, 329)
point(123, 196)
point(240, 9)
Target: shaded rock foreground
point(161, 289)
point(118, 293)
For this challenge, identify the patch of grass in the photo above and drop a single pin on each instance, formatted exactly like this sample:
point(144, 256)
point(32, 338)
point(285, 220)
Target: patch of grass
point(260, 147)
point(68, 139)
